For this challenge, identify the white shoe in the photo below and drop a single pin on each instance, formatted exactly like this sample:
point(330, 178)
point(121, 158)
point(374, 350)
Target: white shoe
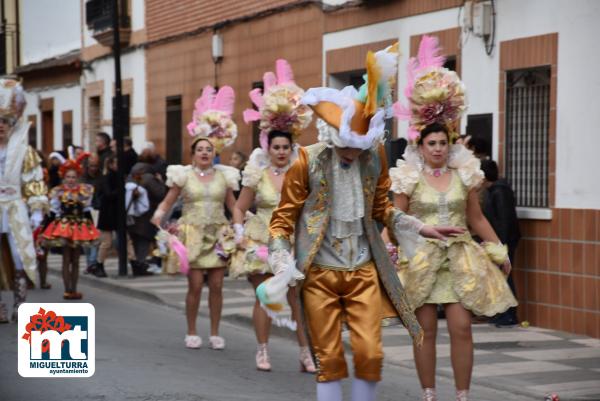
point(154, 269)
point(216, 342)
point(193, 341)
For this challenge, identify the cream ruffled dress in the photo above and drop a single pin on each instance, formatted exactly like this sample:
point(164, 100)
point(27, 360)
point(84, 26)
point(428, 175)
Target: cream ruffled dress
point(203, 227)
point(459, 270)
point(255, 176)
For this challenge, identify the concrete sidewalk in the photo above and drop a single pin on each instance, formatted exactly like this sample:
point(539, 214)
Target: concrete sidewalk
point(528, 362)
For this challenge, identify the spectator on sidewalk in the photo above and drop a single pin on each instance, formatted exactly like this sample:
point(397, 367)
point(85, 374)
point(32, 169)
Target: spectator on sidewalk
point(103, 147)
point(107, 217)
point(499, 207)
point(55, 159)
point(130, 156)
point(142, 232)
point(92, 175)
point(150, 155)
point(238, 160)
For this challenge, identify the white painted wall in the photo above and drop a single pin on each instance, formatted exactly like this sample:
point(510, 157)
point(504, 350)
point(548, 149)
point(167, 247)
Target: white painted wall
point(132, 66)
point(49, 28)
point(65, 99)
point(578, 56)
point(137, 15)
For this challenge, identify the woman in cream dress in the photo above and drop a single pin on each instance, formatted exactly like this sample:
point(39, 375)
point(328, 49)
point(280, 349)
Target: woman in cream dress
point(438, 182)
point(204, 189)
point(282, 119)
point(261, 185)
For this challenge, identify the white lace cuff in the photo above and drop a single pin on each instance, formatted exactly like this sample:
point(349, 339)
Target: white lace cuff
point(406, 229)
point(282, 262)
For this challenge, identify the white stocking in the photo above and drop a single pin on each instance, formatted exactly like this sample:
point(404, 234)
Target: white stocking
point(329, 391)
point(363, 390)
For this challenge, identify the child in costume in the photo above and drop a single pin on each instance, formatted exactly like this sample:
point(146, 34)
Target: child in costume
point(282, 118)
point(204, 188)
point(438, 182)
point(71, 226)
point(23, 198)
point(331, 198)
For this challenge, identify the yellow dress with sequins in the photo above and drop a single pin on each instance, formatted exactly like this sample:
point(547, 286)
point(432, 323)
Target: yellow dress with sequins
point(456, 271)
point(250, 260)
point(203, 227)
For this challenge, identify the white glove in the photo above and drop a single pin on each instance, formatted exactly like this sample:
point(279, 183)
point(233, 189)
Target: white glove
point(36, 219)
point(239, 233)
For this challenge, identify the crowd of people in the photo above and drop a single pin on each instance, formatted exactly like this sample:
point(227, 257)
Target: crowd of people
point(301, 224)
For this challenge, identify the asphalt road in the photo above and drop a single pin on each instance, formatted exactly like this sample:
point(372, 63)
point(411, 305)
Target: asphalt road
point(140, 356)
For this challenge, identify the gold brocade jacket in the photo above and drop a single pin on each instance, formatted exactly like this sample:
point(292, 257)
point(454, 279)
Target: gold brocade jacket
point(305, 209)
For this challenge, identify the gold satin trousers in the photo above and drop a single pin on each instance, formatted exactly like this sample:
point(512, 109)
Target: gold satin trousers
point(331, 297)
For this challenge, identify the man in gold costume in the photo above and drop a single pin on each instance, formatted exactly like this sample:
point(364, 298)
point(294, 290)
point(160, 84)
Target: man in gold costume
point(22, 196)
point(331, 199)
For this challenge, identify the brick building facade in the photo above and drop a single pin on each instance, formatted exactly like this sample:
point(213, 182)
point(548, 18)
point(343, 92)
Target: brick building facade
point(557, 270)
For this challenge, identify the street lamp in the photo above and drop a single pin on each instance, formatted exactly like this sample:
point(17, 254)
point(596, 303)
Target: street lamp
point(118, 136)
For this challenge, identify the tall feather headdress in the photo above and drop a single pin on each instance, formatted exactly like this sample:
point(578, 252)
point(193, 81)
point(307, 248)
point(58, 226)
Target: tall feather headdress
point(212, 117)
point(434, 93)
point(278, 105)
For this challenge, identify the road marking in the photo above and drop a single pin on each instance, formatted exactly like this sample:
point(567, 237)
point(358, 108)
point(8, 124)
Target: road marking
point(518, 336)
point(405, 352)
point(244, 311)
point(147, 284)
point(589, 342)
point(572, 389)
point(515, 368)
point(557, 354)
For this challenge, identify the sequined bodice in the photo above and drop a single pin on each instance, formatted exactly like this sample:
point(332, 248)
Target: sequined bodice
point(440, 208)
point(203, 202)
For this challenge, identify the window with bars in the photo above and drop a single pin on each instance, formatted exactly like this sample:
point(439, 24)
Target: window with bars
point(527, 125)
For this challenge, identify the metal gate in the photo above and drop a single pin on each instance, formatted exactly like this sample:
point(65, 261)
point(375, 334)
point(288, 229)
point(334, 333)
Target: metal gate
point(527, 125)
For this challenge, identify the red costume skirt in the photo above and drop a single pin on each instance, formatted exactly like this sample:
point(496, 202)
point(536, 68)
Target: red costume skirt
point(71, 232)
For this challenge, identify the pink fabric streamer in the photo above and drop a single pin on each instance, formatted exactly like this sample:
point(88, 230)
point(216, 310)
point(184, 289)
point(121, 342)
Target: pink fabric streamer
point(181, 252)
point(262, 253)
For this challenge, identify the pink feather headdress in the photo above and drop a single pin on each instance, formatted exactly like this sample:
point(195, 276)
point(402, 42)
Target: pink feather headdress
point(279, 106)
point(435, 94)
point(212, 117)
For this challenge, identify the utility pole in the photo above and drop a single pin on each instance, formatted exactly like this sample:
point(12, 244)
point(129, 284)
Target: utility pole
point(118, 136)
